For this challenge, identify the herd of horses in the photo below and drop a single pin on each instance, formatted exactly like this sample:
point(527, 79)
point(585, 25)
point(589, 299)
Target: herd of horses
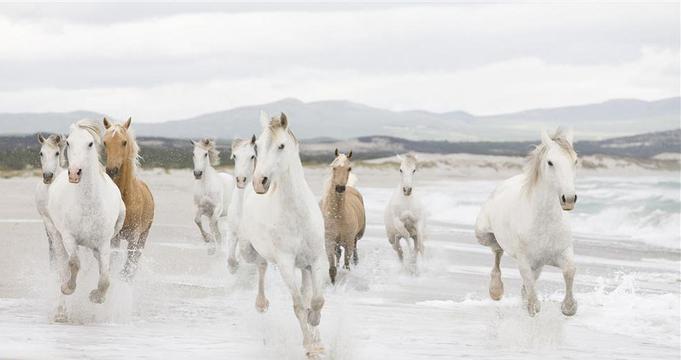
point(265, 213)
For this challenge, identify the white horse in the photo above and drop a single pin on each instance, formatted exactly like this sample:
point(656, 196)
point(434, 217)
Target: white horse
point(243, 154)
point(284, 224)
point(524, 218)
point(405, 217)
point(51, 165)
point(86, 208)
point(212, 192)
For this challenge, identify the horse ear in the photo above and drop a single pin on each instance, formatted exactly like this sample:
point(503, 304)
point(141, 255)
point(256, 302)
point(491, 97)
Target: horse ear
point(545, 138)
point(41, 138)
point(253, 140)
point(336, 152)
point(350, 154)
point(264, 119)
point(283, 120)
point(399, 157)
point(57, 139)
point(192, 142)
point(128, 122)
point(106, 122)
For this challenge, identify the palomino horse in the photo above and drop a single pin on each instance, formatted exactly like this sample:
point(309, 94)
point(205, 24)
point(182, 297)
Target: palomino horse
point(284, 224)
point(87, 210)
point(404, 216)
point(524, 218)
point(51, 165)
point(343, 209)
point(243, 154)
point(122, 159)
point(212, 192)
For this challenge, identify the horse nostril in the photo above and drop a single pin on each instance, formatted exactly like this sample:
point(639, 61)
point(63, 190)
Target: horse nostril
point(79, 171)
point(575, 197)
point(264, 180)
point(562, 197)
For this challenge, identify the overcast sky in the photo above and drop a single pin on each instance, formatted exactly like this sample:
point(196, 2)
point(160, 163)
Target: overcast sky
point(161, 62)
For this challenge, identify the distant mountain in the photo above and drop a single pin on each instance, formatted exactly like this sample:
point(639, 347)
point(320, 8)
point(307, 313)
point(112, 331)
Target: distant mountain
point(19, 152)
point(345, 120)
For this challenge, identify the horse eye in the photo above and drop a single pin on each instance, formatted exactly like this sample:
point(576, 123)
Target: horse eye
point(281, 147)
point(349, 169)
point(400, 170)
point(90, 144)
point(56, 154)
point(125, 142)
point(205, 155)
point(41, 153)
point(550, 163)
point(252, 157)
point(413, 171)
point(67, 143)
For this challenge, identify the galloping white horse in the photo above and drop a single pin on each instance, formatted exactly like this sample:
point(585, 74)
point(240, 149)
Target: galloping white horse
point(405, 217)
point(86, 208)
point(524, 218)
point(51, 164)
point(243, 154)
point(212, 192)
point(284, 224)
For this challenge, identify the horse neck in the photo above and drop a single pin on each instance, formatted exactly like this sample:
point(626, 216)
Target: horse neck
point(125, 180)
point(291, 184)
point(543, 200)
point(94, 175)
point(335, 201)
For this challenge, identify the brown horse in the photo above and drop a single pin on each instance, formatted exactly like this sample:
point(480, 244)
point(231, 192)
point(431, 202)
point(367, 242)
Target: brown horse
point(122, 159)
point(344, 218)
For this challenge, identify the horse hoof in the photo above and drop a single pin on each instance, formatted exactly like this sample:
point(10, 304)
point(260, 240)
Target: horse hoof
point(66, 289)
point(126, 276)
point(314, 317)
point(496, 290)
point(96, 296)
point(533, 308)
point(233, 265)
point(61, 317)
point(262, 304)
point(569, 307)
point(314, 351)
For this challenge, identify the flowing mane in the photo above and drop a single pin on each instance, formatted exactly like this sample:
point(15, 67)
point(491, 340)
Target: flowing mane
point(132, 141)
point(93, 129)
point(535, 158)
point(213, 153)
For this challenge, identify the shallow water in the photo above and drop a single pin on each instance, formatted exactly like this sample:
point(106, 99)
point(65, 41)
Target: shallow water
point(184, 302)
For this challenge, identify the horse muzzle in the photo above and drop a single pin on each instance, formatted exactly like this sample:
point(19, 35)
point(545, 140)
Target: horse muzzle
point(198, 174)
point(567, 203)
point(48, 177)
point(241, 182)
point(112, 172)
point(406, 191)
point(74, 176)
point(340, 189)
point(261, 184)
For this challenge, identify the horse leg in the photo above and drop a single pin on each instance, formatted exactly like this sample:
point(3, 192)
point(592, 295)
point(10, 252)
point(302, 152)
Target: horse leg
point(349, 250)
point(61, 265)
point(528, 276)
point(355, 257)
point(420, 236)
point(398, 247)
point(102, 255)
point(261, 302)
point(287, 271)
point(339, 254)
point(332, 253)
point(207, 237)
point(134, 252)
point(314, 314)
point(215, 229)
point(566, 264)
point(232, 262)
point(496, 286)
point(69, 286)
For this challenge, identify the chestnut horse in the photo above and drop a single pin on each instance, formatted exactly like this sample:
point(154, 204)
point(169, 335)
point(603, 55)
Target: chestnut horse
point(122, 159)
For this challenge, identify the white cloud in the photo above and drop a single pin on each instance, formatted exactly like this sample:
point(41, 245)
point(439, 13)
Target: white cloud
point(482, 59)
